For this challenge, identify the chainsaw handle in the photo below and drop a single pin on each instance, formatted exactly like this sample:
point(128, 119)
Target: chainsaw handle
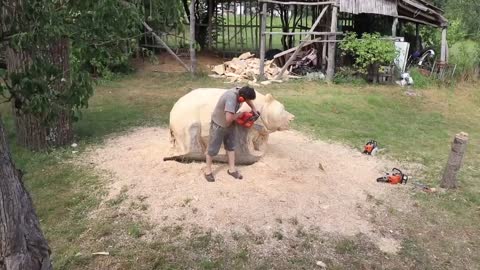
point(397, 170)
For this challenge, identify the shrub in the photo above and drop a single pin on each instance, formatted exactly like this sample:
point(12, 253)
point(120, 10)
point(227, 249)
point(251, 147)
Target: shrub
point(466, 55)
point(370, 50)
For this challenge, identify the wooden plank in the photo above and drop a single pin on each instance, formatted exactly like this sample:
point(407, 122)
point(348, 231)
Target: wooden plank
point(228, 25)
point(394, 27)
point(332, 47)
point(257, 37)
point(418, 21)
point(242, 27)
point(304, 33)
point(314, 26)
point(160, 41)
point(270, 42)
point(252, 37)
point(210, 22)
point(300, 3)
point(193, 56)
point(263, 40)
point(294, 48)
point(235, 24)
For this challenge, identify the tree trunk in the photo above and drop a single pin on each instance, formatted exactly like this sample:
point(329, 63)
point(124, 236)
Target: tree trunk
point(32, 131)
point(22, 244)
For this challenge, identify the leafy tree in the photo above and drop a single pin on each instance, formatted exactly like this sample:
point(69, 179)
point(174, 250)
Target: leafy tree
point(52, 48)
point(467, 13)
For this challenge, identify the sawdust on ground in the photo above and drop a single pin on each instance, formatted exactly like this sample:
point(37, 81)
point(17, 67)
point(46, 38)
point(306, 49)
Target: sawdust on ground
point(299, 181)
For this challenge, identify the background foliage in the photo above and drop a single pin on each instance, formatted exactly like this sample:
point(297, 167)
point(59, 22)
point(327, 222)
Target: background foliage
point(368, 50)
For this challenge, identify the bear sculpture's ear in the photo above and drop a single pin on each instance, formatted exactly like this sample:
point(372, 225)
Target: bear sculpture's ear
point(269, 98)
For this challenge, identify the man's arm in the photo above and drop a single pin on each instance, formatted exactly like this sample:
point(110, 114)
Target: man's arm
point(230, 117)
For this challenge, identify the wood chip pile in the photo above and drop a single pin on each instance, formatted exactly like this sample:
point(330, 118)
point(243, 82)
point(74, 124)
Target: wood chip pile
point(246, 68)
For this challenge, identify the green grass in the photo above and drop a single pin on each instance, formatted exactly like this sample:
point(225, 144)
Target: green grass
point(441, 234)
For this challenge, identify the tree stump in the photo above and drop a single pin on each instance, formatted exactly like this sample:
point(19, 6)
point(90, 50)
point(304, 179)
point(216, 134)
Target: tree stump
point(459, 146)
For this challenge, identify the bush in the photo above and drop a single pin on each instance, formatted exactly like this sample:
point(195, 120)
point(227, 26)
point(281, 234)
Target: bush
point(370, 50)
point(466, 55)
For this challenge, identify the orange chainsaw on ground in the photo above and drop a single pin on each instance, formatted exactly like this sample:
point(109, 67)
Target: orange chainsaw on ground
point(370, 148)
point(396, 177)
point(247, 119)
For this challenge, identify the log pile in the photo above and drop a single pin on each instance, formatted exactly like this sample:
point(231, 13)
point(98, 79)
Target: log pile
point(246, 68)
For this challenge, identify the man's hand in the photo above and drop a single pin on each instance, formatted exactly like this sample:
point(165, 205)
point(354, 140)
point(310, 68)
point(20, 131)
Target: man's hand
point(252, 106)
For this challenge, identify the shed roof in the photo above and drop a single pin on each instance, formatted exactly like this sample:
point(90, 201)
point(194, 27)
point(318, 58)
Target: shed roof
point(419, 11)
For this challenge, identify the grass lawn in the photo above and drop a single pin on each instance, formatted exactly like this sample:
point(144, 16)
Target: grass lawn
point(443, 233)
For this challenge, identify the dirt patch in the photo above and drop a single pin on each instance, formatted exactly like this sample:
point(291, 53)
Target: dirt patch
point(300, 181)
point(164, 62)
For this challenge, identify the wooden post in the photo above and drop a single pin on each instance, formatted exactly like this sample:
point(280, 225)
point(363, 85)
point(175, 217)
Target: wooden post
point(324, 56)
point(417, 36)
point(234, 26)
point(394, 27)
point(270, 41)
point(459, 146)
point(210, 23)
point(444, 50)
point(263, 28)
point(332, 46)
point(193, 57)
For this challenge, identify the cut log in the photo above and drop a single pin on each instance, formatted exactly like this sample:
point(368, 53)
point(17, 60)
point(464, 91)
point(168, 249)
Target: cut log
point(455, 161)
point(219, 69)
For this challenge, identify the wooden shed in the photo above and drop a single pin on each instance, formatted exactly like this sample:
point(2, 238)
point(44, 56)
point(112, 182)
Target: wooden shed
point(237, 26)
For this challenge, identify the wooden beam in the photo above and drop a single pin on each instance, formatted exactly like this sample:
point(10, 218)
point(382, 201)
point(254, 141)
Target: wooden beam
point(235, 43)
point(160, 41)
point(417, 37)
point(300, 3)
point(193, 57)
point(418, 21)
point(210, 23)
point(309, 42)
point(294, 48)
point(414, 11)
point(444, 48)
point(304, 33)
point(332, 46)
point(263, 28)
point(314, 26)
point(394, 27)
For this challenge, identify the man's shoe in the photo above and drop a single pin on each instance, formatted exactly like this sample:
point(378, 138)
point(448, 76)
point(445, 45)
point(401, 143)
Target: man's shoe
point(235, 174)
point(210, 177)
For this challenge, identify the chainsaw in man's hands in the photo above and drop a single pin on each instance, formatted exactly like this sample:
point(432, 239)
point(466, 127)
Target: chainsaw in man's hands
point(247, 119)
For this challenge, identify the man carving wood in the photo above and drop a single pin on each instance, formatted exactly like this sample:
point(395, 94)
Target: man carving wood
point(222, 127)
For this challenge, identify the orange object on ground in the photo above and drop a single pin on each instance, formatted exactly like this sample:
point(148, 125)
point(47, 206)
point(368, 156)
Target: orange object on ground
point(397, 177)
point(369, 147)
